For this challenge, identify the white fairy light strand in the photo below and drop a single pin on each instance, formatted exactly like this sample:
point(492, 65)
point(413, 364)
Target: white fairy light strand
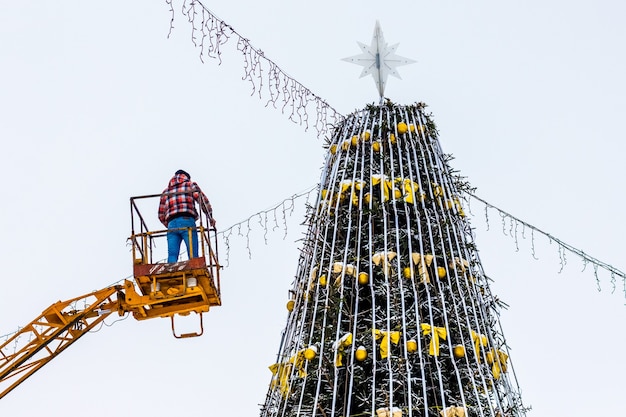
point(563, 247)
point(275, 218)
point(209, 34)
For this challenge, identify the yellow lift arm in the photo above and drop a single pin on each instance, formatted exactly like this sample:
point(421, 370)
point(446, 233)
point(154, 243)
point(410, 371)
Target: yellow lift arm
point(161, 290)
point(60, 325)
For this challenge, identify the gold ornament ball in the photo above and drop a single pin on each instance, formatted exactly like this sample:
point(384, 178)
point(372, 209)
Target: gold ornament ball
point(441, 272)
point(402, 128)
point(364, 278)
point(310, 353)
point(392, 138)
point(290, 305)
point(360, 354)
point(323, 280)
point(411, 346)
point(365, 135)
point(412, 128)
point(458, 351)
point(406, 272)
point(355, 140)
point(376, 146)
point(333, 149)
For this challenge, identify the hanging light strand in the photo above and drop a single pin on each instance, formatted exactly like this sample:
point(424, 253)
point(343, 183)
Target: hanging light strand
point(268, 220)
point(563, 247)
point(268, 80)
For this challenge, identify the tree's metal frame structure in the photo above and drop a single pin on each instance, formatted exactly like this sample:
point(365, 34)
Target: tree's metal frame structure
point(391, 313)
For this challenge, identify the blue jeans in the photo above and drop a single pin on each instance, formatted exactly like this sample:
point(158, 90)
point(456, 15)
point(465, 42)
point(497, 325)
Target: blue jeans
point(174, 237)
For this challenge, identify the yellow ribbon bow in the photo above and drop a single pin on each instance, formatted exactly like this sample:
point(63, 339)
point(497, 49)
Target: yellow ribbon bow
point(410, 189)
point(299, 362)
point(456, 204)
point(282, 371)
point(351, 270)
point(461, 263)
point(386, 339)
point(312, 282)
point(422, 262)
point(386, 412)
point(339, 268)
point(437, 333)
point(386, 185)
point(352, 188)
point(499, 363)
point(453, 412)
point(479, 340)
point(355, 199)
point(344, 186)
point(437, 190)
point(340, 346)
point(356, 188)
point(385, 259)
point(396, 188)
point(328, 202)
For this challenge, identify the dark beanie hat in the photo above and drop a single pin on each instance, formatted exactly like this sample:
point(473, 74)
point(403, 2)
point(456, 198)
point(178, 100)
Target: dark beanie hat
point(180, 171)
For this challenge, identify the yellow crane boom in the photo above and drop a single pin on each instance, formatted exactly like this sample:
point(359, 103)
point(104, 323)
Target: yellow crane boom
point(53, 331)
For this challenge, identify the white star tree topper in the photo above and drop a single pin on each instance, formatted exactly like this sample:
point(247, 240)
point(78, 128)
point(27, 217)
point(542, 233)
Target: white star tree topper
point(379, 60)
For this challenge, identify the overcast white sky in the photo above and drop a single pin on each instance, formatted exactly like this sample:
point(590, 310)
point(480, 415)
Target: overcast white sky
point(97, 105)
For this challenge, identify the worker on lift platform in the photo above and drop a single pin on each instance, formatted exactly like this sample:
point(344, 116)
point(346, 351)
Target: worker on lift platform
point(158, 289)
point(178, 213)
point(176, 287)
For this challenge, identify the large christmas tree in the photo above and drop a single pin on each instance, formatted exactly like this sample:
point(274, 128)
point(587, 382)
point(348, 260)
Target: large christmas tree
point(391, 313)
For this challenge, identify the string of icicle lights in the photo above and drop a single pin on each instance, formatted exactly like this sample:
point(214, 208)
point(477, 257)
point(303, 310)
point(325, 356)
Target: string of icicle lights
point(511, 225)
point(210, 34)
point(270, 220)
